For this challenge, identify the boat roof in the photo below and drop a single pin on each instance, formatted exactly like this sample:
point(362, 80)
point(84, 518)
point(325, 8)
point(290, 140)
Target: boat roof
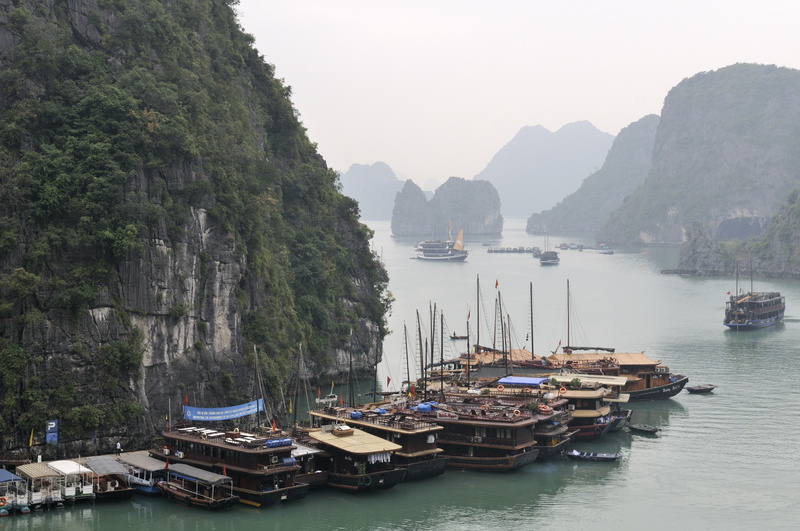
point(199, 474)
point(36, 471)
point(359, 442)
point(594, 378)
point(591, 413)
point(623, 358)
point(68, 467)
point(586, 393)
point(6, 476)
point(145, 462)
point(522, 380)
point(104, 465)
point(302, 450)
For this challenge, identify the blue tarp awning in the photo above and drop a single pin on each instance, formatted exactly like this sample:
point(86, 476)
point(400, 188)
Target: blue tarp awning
point(522, 380)
point(5, 476)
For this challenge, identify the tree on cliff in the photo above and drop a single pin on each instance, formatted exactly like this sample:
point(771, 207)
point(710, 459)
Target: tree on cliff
point(162, 213)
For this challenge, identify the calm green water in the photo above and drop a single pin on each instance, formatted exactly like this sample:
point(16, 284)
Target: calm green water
point(722, 461)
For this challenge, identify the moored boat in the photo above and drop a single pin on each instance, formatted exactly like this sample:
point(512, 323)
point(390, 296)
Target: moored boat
point(260, 465)
point(418, 451)
point(76, 484)
point(643, 428)
point(13, 494)
point(143, 472)
point(196, 487)
point(109, 480)
point(357, 461)
point(44, 485)
point(548, 258)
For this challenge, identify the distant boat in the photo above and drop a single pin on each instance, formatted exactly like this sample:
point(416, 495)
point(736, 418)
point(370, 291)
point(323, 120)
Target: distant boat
point(643, 428)
point(707, 388)
point(591, 456)
point(548, 257)
point(748, 311)
point(443, 250)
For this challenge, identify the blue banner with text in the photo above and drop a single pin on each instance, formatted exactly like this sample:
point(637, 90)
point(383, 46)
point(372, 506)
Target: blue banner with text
point(222, 413)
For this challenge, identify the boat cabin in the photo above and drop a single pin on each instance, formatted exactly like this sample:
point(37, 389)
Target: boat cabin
point(44, 485)
point(13, 493)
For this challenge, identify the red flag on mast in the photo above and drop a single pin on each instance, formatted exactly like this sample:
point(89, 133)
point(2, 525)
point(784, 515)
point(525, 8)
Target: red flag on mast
point(496, 283)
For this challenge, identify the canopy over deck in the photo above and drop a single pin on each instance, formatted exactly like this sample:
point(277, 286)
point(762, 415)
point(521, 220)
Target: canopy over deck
point(104, 465)
point(143, 462)
point(359, 442)
point(204, 476)
point(528, 381)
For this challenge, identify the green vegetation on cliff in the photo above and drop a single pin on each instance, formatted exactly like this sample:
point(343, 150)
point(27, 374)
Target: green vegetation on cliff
point(119, 121)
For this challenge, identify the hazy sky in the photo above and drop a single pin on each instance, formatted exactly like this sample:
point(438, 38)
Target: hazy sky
point(435, 88)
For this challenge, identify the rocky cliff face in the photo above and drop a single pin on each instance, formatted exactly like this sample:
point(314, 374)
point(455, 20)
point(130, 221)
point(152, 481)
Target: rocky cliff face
point(470, 205)
point(165, 225)
point(775, 254)
point(726, 153)
point(626, 167)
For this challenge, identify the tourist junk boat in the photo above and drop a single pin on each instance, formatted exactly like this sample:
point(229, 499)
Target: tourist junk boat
point(754, 310)
point(748, 311)
point(353, 459)
point(13, 494)
point(196, 487)
point(482, 436)
point(418, 452)
point(646, 379)
point(261, 465)
point(143, 472)
point(443, 250)
point(591, 414)
point(109, 481)
point(552, 431)
point(44, 485)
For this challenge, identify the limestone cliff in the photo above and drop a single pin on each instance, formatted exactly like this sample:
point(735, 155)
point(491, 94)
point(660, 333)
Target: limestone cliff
point(726, 153)
point(165, 224)
point(470, 205)
point(625, 168)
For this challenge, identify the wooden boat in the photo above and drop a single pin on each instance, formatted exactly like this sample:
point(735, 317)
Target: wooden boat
point(591, 456)
point(706, 388)
point(419, 453)
point(260, 465)
point(753, 310)
point(196, 487)
point(109, 480)
point(143, 472)
point(357, 462)
point(643, 428)
point(482, 436)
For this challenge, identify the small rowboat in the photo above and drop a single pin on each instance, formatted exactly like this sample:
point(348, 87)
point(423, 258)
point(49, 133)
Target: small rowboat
point(706, 388)
point(591, 456)
point(643, 428)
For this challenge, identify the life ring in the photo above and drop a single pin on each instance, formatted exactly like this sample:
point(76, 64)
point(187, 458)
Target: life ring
point(500, 387)
point(2, 501)
point(562, 390)
point(526, 390)
point(517, 413)
point(484, 407)
point(366, 481)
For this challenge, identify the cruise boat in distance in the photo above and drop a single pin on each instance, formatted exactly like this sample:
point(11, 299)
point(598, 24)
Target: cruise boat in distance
point(752, 310)
point(449, 250)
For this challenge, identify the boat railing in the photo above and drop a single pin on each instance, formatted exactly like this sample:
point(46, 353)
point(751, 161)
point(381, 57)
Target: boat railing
point(477, 439)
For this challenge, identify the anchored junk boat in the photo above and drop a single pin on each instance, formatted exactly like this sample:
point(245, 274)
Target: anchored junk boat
point(752, 310)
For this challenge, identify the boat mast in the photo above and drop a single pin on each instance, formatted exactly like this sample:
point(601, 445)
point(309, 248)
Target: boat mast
point(508, 354)
point(421, 354)
point(441, 355)
point(478, 317)
point(467, 350)
point(405, 349)
point(568, 343)
point(533, 350)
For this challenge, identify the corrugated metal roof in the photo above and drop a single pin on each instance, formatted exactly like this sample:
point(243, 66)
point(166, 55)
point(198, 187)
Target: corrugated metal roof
point(104, 465)
point(145, 462)
point(198, 473)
